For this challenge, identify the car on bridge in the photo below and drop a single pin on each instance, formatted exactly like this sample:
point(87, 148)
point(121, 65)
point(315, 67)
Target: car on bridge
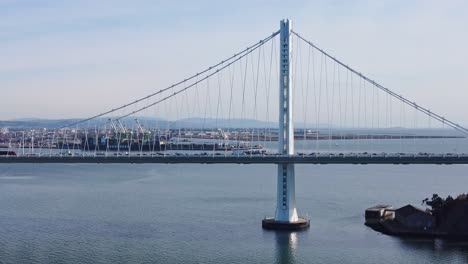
point(363, 155)
point(421, 155)
point(7, 153)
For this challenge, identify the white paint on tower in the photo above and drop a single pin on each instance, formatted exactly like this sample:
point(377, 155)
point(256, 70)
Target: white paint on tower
point(286, 192)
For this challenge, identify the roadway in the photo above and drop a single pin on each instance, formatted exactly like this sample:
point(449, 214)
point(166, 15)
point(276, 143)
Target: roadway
point(248, 159)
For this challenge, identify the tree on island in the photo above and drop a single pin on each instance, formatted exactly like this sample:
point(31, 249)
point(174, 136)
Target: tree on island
point(436, 202)
point(449, 210)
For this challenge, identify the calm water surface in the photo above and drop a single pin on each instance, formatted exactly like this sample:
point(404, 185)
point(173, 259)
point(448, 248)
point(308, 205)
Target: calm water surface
point(212, 213)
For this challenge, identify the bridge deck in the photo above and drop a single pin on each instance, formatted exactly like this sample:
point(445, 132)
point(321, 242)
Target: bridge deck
point(368, 159)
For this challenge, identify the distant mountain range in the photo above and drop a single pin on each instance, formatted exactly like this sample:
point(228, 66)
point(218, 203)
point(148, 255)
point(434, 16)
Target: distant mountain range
point(195, 123)
point(34, 123)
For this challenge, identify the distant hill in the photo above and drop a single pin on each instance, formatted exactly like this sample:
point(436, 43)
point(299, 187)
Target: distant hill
point(35, 123)
point(213, 123)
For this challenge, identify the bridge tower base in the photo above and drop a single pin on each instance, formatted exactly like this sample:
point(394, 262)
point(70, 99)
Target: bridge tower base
point(272, 224)
point(286, 217)
point(286, 214)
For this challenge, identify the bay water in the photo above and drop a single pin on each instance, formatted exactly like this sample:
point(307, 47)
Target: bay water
point(199, 213)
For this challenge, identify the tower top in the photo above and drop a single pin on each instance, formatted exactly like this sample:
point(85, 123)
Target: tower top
point(286, 22)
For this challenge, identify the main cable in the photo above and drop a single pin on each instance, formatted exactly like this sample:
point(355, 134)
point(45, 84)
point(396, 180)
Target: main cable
point(388, 91)
point(242, 53)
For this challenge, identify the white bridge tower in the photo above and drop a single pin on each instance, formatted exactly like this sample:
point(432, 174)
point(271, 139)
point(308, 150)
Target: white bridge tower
point(286, 216)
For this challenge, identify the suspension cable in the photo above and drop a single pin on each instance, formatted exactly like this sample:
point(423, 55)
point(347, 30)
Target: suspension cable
point(242, 53)
point(388, 91)
point(200, 80)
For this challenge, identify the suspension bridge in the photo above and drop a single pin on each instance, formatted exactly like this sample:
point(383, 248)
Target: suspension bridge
point(323, 104)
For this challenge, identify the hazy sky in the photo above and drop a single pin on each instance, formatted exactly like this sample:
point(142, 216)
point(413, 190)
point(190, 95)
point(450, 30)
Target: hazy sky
point(75, 58)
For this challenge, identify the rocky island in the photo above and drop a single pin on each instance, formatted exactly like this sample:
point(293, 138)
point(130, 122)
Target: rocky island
point(444, 218)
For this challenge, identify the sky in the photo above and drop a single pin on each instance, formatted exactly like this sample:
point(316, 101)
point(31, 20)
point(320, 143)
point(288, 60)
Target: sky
point(69, 59)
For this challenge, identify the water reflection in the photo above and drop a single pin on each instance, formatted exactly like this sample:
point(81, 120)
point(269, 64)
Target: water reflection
point(286, 246)
point(442, 250)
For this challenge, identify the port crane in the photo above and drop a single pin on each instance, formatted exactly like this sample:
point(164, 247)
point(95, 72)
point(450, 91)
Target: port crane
point(142, 131)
